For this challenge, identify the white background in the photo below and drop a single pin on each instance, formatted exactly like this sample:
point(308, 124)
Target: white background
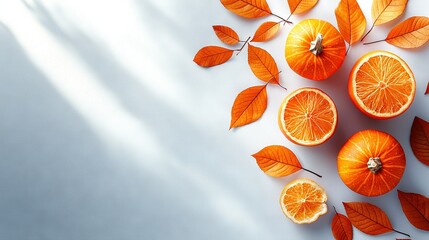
point(109, 130)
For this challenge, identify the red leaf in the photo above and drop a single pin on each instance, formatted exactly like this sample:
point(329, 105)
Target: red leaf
point(419, 140)
point(416, 209)
point(368, 218)
point(249, 106)
point(226, 34)
point(263, 65)
point(266, 31)
point(341, 227)
point(212, 55)
point(427, 89)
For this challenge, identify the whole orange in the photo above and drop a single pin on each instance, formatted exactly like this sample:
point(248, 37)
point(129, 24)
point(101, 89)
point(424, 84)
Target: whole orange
point(315, 49)
point(371, 163)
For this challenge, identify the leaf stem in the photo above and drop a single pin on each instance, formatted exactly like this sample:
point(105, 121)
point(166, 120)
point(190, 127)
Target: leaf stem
point(367, 43)
point(305, 169)
point(239, 50)
point(335, 209)
point(278, 82)
point(348, 48)
point(406, 234)
point(290, 15)
point(283, 20)
point(368, 32)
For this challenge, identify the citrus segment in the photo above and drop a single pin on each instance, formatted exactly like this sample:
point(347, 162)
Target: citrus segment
point(308, 117)
point(381, 85)
point(303, 201)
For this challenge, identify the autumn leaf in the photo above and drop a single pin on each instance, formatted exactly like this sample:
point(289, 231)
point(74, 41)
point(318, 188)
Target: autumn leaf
point(278, 161)
point(369, 218)
point(411, 33)
point(341, 227)
point(419, 140)
point(249, 106)
point(301, 6)
point(384, 11)
point(416, 209)
point(427, 89)
point(248, 8)
point(262, 64)
point(266, 31)
point(226, 34)
point(351, 21)
point(210, 56)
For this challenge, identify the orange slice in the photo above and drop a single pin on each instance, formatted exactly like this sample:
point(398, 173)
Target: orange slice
point(303, 201)
point(308, 117)
point(381, 85)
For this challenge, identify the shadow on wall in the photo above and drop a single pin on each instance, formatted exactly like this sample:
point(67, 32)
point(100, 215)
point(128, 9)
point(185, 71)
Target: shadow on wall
point(58, 181)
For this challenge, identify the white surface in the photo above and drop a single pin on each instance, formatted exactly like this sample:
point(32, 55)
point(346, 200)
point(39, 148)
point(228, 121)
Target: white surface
point(110, 131)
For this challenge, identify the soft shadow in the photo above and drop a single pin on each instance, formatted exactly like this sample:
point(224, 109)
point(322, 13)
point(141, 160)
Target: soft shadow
point(192, 165)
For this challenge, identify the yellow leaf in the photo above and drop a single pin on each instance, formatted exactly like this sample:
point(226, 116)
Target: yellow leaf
point(384, 11)
point(249, 106)
point(263, 65)
point(226, 34)
point(351, 21)
point(248, 8)
point(411, 33)
point(301, 6)
point(266, 31)
point(210, 56)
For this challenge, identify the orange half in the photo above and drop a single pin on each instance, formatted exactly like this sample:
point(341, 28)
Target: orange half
point(308, 117)
point(303, 201)
point(381, 85)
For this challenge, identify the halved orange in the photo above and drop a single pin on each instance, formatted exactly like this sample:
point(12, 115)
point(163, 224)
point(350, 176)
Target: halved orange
point(308, 117)
point(303, 201)
point(381, 85)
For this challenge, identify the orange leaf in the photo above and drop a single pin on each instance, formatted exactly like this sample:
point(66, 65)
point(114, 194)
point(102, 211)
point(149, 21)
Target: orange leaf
point(226, 34)
point(411, 33)
point(277, 161)
point(368, 218)
point(416, 209)
point(384, 11)
point(427, 89)
point(212, 55)
point(341, 227)
point(419, 140)
point(301, 6)
point(266, 31)
point(351, 21)
point(262, 64)
point(249, 106)
point(248, 8)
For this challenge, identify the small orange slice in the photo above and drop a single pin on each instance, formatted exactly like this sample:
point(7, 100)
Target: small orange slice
point(308, 117)
point(381, 85)
point(303, 201)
